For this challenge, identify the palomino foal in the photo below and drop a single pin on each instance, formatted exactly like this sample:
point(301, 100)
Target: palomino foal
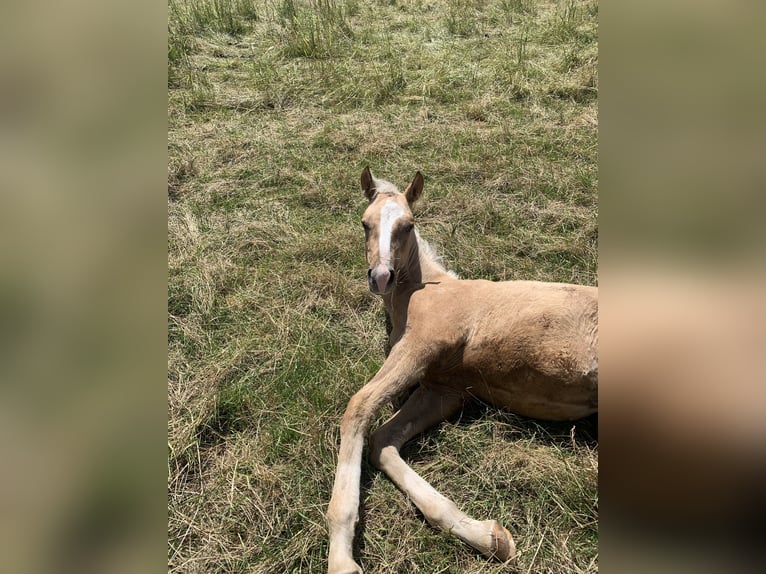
point(524, 346)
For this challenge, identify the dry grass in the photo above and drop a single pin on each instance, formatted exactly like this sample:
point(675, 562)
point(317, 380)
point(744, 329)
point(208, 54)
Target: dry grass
point(271, 328)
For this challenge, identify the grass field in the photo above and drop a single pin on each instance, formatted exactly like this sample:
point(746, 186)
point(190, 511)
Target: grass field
point(274, 108)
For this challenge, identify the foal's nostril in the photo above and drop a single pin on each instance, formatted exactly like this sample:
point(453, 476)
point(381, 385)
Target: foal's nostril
point(380, 278)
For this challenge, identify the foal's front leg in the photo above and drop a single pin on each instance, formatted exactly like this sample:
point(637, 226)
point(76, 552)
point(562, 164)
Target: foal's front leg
point(400, 370)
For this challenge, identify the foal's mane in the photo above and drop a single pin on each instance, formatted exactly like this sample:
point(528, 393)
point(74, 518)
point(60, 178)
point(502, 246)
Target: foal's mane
point(429, 255)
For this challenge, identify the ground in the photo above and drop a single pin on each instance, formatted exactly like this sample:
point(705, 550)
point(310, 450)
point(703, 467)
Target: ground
point(274, 108)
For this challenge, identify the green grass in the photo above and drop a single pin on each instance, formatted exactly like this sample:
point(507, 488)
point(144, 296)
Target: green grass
point(274, 107)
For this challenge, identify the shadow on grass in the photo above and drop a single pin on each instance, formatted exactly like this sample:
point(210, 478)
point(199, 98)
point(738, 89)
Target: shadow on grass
point(561, 434)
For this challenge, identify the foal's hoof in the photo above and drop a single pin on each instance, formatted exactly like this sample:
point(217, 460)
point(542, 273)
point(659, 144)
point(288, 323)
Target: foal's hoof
point(503, 546)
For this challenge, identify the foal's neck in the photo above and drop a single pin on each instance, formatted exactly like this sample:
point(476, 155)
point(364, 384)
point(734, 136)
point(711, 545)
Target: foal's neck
point(420, 270)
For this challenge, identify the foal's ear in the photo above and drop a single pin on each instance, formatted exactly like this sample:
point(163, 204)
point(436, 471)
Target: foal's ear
point(368, 184)
point(414, 189)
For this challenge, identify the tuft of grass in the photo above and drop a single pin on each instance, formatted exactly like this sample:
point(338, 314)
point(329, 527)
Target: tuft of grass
point(274, 107)
point(316, 28)
point(225, 16)
point(518, 6)
point(188, 20)
point(461, 19)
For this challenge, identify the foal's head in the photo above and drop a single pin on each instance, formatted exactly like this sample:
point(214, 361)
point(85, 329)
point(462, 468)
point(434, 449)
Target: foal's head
point(389, 229)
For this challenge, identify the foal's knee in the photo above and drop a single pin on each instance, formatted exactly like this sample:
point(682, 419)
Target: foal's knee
point(358, 413)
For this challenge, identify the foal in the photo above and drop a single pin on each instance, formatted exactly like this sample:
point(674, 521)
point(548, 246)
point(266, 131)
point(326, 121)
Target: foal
point(524, 346)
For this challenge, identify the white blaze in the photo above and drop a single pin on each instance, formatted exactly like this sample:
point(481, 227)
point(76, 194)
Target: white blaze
point(390, 212)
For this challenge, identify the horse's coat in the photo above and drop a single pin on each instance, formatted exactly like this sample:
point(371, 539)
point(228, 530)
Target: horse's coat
point(525, 346)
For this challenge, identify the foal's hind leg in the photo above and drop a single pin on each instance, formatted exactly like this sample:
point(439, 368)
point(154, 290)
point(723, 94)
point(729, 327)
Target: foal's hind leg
point(425, 408)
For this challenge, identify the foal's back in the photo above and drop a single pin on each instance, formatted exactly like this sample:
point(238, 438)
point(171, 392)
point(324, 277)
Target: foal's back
point(526, 346)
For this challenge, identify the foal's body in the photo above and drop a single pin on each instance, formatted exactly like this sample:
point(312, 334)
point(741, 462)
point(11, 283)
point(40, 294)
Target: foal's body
point(524, 346)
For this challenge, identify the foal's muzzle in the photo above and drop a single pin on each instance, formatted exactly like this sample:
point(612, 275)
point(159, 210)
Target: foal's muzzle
point(380, 279)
